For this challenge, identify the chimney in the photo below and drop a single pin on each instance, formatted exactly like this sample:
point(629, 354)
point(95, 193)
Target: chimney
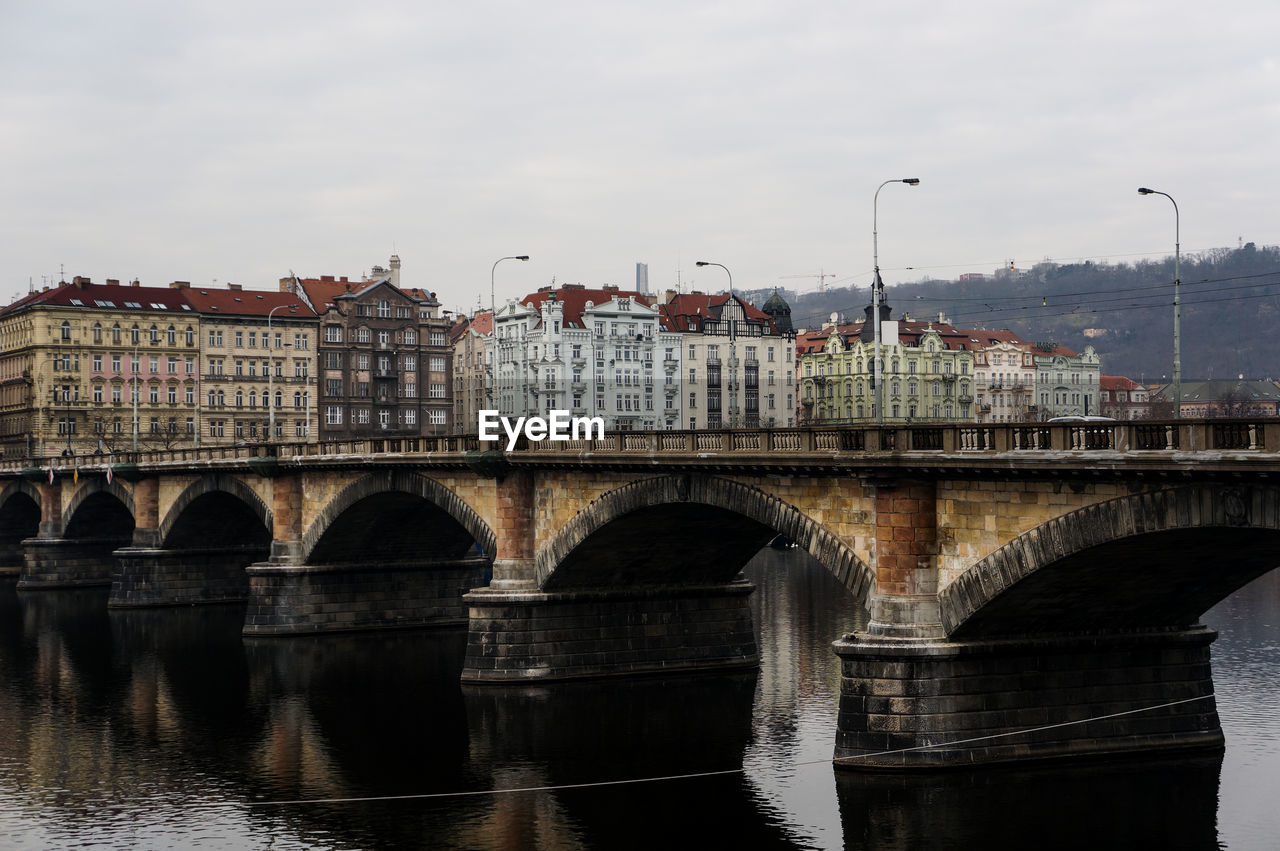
point(135, 283)
point(79, 282)
point(179, 285)
point(236, 287)
point(113, 282)
point(668, 296)
point(395, 270)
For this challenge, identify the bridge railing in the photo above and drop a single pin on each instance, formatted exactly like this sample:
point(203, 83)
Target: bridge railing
point(1211, 435)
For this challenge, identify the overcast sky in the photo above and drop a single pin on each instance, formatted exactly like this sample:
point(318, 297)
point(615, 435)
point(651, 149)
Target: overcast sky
point(236, 141)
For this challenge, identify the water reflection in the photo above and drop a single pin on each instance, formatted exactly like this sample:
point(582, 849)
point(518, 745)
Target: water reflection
point(1158, 804)
point(164, 727)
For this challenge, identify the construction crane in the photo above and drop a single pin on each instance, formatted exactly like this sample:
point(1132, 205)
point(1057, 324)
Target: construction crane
point(821, 276)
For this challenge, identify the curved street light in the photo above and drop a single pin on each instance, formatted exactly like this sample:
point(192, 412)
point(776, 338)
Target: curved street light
point(733, 336)
point(493, 319)
point(877, 292)
point(1177, 301)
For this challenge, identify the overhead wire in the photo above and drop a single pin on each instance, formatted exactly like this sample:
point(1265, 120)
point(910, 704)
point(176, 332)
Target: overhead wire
point(472, 793)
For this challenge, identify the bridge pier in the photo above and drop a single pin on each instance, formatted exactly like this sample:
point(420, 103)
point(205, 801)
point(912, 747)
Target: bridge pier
point(516, 636)
point(67, 562)
point(152, 576)
point(292, 599)
point(907, 690)
point(1019, 699)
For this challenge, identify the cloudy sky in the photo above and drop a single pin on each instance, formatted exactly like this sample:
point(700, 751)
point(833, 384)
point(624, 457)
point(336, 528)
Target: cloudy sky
point(236, 141)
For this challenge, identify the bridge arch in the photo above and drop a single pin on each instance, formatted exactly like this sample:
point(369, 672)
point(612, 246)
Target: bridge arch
point(20, 507)
point(1154, 559)
point(95, 486)
point(374, 495)
point(20, 486)
point(99, 509)
point(182, 526)
point(676, 521)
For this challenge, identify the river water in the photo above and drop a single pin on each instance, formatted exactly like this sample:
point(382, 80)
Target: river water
point(165, 728)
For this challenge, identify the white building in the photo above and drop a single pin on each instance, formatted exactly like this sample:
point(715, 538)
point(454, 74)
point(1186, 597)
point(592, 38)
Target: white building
point(735, 369)
point(593, 352)
point(1004, 369)
point(1067, 383)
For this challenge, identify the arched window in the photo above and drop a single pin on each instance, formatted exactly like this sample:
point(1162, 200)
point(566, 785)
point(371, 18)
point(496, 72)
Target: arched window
point(191, 336)
point(253, 398)
point(155, 335)
point(172, 335)
point(66, 330)
point(279, 399)
point(133, 335)
point(239, 398)
point(115, 333)
point(97, 332)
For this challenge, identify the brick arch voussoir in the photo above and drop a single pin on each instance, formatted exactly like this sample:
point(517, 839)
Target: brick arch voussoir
point(216, 483)
point(401, 481)
point(718, 492)
point(20, 486)
point(94, 486)
point(1189, 507)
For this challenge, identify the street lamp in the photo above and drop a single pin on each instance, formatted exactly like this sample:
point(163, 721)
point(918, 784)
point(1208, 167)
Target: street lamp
point(136, 366)
point(1177, 303)
point(271, 375)
point(877, 291)
point(493, 319)
point(733, 361)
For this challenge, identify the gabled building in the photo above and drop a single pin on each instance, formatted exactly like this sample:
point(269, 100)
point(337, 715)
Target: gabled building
point(90, 367)
point(383, 356)
point(259, 355)
point(1067, 382)
point(1004, 371)
point(737, 368)
point(927, 370)
point(1123, 398)
point(595, 352)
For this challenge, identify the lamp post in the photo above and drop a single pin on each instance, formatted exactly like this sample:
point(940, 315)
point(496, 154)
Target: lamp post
point(271, 375)
point(733, 361)
point(136, 367)
point(877, 291)
point(1177, 302)
point(493, 319)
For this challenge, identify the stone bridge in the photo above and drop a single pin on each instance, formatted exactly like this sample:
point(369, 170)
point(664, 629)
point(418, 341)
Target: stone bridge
point(1018, 576)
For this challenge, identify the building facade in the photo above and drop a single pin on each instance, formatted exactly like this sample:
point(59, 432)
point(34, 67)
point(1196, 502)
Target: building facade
point(472, 370)
point(927, 373)
point(595, 352)
point(733, 367)
point(88, 368)
point(258, 356)
point(1067, 382)
point(1123, 398)
point(1004, 371)
point(383, 362)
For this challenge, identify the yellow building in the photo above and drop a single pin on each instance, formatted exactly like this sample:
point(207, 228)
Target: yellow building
point(97, 368)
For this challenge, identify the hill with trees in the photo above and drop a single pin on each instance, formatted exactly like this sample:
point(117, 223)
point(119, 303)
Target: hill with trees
point(1230, 307)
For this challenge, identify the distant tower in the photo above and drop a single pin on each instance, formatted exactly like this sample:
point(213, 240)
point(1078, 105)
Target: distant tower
point(642, 278)
point(780, 312)
point(395, 270)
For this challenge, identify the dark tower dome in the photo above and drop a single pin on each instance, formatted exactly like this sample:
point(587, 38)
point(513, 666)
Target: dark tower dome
point(780, 312)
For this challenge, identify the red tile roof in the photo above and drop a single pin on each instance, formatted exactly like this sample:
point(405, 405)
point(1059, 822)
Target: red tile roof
point(574, 297)
point(323, 290)
point(107, 297)
point(1118, 382)
point(246, 302)
point(679, 313)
